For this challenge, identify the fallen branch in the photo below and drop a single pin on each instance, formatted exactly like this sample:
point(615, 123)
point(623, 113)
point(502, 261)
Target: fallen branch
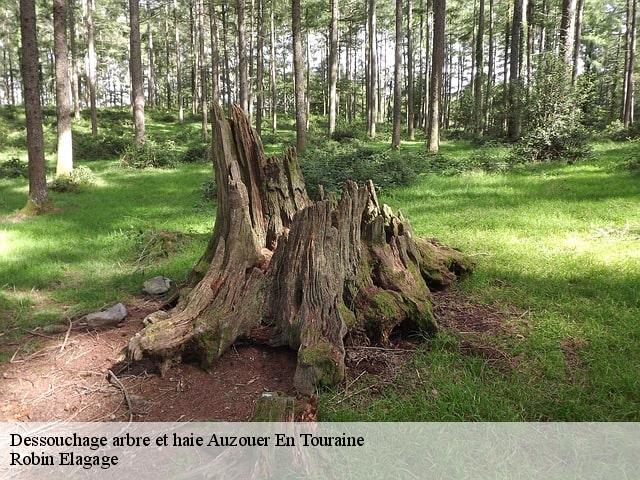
point(66, 336)
point(115, 381)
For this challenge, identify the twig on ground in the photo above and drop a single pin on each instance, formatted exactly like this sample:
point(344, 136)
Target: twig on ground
point(13, 357)
point(38, 334)
point(66, 337)
point(114, 380)
point(381, 349)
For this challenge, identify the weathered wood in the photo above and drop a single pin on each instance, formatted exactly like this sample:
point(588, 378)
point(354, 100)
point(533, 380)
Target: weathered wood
point(311, 271)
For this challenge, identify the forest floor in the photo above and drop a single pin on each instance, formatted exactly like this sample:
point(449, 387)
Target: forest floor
point(545, 329)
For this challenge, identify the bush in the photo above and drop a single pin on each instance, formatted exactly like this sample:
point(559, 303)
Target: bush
point(14, 168)
point(78, 178)
point(618, 132)
point(209, 190)
point(196, 153)
point(150, 154)
point(558, 140)
point(102, 146)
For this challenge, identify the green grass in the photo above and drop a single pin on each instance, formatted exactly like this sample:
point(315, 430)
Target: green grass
point(560, 242)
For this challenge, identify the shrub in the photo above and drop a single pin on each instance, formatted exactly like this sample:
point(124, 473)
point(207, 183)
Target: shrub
point(558, 140)
point(150, 154)
point(14, 168)
point(196, 153)
point(103, 145)
point(209, 190)
point(78, 178)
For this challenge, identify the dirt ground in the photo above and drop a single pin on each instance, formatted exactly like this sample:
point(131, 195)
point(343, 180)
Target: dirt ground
point(72, 383)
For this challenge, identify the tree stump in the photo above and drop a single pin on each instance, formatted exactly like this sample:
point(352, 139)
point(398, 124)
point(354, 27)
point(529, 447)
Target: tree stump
point(298, 272)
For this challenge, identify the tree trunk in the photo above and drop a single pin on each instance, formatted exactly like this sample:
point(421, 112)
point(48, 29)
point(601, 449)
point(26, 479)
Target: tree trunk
point(75, 84)
point(204, 107)
point(577, 41)
point(631, 46)
point(135, 69)
point(488, 100)
point(372, 98)
point(272, 70)
point(38, 196)
point(410, 92)
point(152, 78)
point(567, 31)
point(178, 63)
point(242, 57)
point(260, 66)
point(435, 88)
point(298, 67)
point(397, 78)
point(227, 80)
point(514, 114)
point(63, 89)
point(215, 54)
point(333, 65)
point(286, 270)
point(479, 83)
point(91, 64)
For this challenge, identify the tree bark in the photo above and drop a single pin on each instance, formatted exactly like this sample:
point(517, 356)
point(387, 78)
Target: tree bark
point(91, 64)
point(397, 78)
point(135, 69)
point(64, 164)
point(38, 195)
point(215, 54)
point(433, 133)
point(286, 270)
point(567, 31)
point(298, 67)
point(242, 57)
point(333, 65)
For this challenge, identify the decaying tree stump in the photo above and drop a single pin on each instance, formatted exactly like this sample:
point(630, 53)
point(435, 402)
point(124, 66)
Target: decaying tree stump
point(305, 272)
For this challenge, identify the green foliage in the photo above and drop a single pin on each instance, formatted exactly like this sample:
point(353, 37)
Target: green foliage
point(196, 152)
point(14, 168)
point(151, 155)
point(103, 146)
point(79, 177)
point(209, 190)
point(553, 124)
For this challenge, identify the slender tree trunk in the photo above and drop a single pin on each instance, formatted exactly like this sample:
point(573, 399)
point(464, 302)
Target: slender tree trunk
point(487, 106)
point(204, 107)
point(242, 57)
point(193, 58)
point(152, 76)
point(176, 32)
point(410, 85)
point(478, 85)
point(333, 65)
point(629, 93)
point(227, 71)
point(427, 65)
point(74, 60)
point(298, 67)
point(505, 68)
point(135, 69)
point(38, 195)
point(577, 41)
point(433, 132)
point(167, 58)
point(91, 64)
point(397, 78)
point(272, 70)
point(372, 100)
point(514, 112)
point(63, 89)
point(260, 67)
point(215, 56)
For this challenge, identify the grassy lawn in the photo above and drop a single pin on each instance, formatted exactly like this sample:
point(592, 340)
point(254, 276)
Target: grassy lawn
point(559, 242)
